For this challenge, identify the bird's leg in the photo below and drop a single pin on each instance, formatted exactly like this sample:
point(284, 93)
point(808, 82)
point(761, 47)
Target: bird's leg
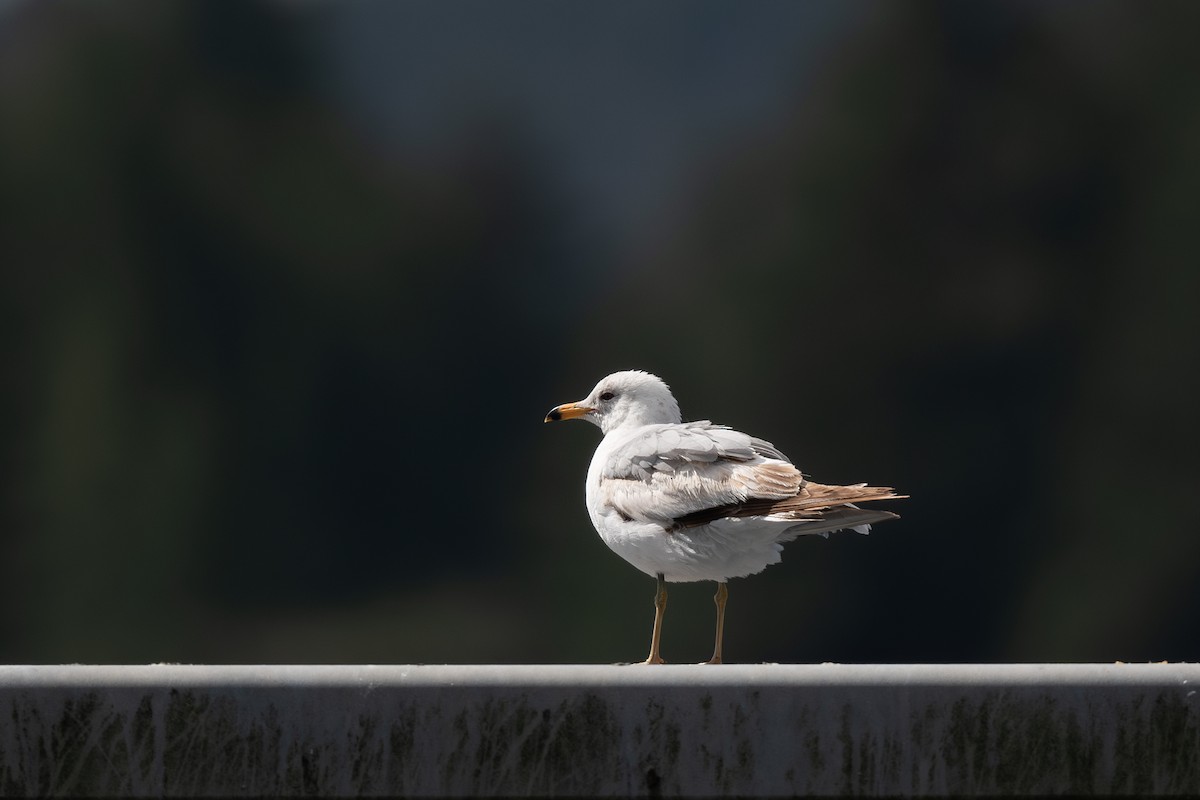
point(719, 598)
point(660, 605)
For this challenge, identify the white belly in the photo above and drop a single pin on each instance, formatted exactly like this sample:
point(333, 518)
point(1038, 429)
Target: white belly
point(724, 549)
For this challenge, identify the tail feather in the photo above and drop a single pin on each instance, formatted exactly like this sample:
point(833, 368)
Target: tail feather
point(816, 508)
point(836, 519)
point(822, 508)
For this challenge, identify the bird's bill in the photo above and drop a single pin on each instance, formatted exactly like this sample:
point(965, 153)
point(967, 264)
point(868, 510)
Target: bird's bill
point(568, 411)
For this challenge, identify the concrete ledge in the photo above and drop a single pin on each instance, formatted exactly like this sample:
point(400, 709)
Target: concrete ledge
point(177, 730)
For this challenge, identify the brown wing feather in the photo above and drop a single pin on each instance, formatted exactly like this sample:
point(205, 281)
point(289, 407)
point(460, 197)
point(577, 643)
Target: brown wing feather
point(811, 502)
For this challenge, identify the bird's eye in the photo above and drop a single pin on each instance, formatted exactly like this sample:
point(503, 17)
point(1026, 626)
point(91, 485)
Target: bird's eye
point(607, 396)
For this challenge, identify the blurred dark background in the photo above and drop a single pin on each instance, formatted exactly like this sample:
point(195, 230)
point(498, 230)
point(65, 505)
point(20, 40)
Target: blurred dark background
point(288, 287)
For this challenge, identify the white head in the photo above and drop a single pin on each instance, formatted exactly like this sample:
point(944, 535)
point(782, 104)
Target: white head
point(623, 399)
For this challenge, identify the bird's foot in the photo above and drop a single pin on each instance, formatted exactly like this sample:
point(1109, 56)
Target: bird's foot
point(713, 660)
point(653, 660)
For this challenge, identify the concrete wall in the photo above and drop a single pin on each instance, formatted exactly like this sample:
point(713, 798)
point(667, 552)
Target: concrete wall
point(599, 730)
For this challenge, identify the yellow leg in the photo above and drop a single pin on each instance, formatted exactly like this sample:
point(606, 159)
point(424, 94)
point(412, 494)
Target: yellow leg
point(719, 598)
point(660, 605)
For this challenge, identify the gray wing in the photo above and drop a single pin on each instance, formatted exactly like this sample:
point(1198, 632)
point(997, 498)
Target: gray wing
point(667, 447)
point(670, 471)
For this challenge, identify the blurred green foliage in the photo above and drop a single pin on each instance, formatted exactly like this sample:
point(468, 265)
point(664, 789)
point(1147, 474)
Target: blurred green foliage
point(274, 388)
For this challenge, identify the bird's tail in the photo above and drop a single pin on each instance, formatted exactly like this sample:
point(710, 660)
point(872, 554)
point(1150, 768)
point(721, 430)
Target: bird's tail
point(821, 509)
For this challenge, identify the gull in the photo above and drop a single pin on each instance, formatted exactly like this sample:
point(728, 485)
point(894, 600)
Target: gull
point(694, 501)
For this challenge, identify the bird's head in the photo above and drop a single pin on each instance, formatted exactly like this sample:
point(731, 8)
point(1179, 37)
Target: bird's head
point(630, 398)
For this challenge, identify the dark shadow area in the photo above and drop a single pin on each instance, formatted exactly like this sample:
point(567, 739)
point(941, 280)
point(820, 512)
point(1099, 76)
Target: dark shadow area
point(287, 289)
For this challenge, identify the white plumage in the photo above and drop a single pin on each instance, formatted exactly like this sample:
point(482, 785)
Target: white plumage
point(697, 501)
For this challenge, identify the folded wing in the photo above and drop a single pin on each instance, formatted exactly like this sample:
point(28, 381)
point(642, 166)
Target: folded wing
point(689, 475)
